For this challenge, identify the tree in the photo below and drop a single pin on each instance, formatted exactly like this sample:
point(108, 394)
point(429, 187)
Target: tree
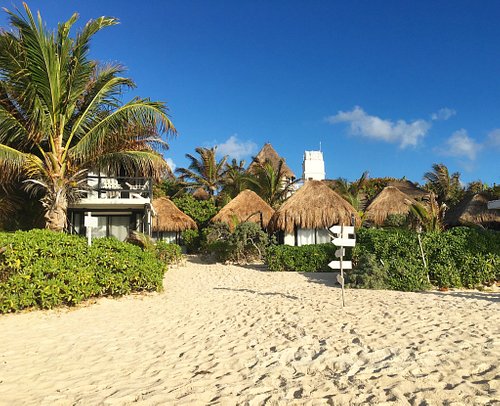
point(446, 187)
point(351, 191)
point(236, 179)
point(205, 172)
point(61, 114)
point(429, 216)
point(270, 183)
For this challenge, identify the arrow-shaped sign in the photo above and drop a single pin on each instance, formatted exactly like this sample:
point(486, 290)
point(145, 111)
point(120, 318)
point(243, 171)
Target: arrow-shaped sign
point(340, 279)
point(338, 229)
point(344, 242)
point(336, 264)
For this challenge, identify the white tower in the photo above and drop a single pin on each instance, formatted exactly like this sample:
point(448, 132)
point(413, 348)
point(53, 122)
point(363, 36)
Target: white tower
point(313, 166)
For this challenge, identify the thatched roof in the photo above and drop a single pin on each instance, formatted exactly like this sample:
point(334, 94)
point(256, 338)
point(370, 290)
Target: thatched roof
point(268, 153)
point(314, 205)
point(473, 210)
point(201, 194)
point(389, 201)
point(409, 189)
point(247, 206)
point(170, 218)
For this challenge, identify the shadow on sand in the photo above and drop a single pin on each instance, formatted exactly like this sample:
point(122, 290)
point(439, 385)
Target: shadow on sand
point(261, 293)
point(488, 296)
point(324, 278)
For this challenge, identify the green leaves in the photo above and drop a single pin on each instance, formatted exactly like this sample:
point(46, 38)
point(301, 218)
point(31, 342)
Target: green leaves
point(44, 269)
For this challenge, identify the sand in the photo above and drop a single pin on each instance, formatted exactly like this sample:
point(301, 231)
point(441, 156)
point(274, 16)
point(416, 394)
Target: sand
point(240, 335)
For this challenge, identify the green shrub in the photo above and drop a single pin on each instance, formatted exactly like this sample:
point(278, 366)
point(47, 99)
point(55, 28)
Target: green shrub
point(43, 269)
point(369, 273)
point(168, 253)
point(307, 258)
point(245, 244)
point(200, 211)
point(192, 240)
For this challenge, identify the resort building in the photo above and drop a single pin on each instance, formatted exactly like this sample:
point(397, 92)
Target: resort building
point(120, 203)
point(169, 222)
point(247, 206)
point(313, 166)
point(308, 214)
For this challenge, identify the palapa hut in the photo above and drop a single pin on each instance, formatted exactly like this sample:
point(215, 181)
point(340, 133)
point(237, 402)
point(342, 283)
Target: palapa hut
point(389, 201)
point(169, 221)
point(268, 153)
point(308, 214)
point(410, 189)
point(201, 194)
point(473, 210)
point(247, 206)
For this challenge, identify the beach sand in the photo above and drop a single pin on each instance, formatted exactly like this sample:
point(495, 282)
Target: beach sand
point(240, 335)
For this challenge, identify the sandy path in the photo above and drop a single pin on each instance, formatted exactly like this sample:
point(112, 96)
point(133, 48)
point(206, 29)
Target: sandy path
point(228, 335)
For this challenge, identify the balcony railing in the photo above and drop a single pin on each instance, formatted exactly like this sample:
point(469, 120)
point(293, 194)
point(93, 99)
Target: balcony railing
point(118, 187)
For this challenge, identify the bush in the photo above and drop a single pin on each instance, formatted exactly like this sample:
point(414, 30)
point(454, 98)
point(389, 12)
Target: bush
point(369, 273)
point(192, 240)
point(168, 253)
point(245, 244)
point(307, 258)
point(200, 211)
point(44, 269)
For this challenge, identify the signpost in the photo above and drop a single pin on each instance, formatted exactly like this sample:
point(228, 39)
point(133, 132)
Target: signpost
point(89, 223)
point(343, 236)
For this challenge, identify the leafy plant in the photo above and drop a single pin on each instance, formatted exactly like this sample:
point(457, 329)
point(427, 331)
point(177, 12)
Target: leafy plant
point(43, 269)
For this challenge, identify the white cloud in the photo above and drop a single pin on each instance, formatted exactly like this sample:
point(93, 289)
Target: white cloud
point(443, 114)
point(236, 149)
point(401, 132)
point(171, 163)
point(494, 138)
point(461, 145)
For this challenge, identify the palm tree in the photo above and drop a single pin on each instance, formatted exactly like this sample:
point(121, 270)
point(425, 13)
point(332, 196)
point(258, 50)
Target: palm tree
point(61, 114)
point(270, 183)
point(236, 179)
point(446, 187)
point(205, 172)
point(351, 191)
point(429, 216)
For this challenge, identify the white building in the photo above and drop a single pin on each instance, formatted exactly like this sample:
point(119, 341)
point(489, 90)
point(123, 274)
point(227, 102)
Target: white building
point(120, 203)
point(313, 166)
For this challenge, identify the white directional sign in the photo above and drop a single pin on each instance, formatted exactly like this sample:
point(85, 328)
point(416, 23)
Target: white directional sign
point(342, 229)
point(344, 242)
point(342, 236)
point(336, 264)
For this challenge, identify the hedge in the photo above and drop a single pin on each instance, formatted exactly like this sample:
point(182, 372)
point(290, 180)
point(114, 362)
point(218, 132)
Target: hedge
point(391, 259)
point(44, 269)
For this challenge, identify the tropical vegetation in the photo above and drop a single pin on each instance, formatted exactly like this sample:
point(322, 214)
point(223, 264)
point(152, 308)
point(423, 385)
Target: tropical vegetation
point(62, 115)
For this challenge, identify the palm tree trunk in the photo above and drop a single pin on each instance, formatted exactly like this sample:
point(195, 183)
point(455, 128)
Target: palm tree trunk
point(56, 207)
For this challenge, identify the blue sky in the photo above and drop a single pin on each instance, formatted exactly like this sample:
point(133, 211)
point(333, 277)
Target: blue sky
point(390, 86)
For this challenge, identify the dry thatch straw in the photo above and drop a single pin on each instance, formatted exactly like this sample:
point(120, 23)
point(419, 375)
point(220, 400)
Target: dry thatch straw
point(314, 205)
point(473, 210)
point(170, 218)
point(201, 194)
point(247, 206)
point(268, 153)
point(389, 201)
point(409, 189)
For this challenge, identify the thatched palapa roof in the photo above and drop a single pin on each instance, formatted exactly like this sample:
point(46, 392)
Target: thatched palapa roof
point(473, 210)
point(409, 189)
point(314, 205)
point(170, 218)
point(247, 206)
point(268, 153)
point(389, 201)
point(201, 194)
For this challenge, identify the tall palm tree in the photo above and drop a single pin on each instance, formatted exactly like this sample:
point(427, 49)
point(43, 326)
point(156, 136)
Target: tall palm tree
point(270, 182)
point(236, 179)
point(446, 187)
point(61, 114)
point(205, 172)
